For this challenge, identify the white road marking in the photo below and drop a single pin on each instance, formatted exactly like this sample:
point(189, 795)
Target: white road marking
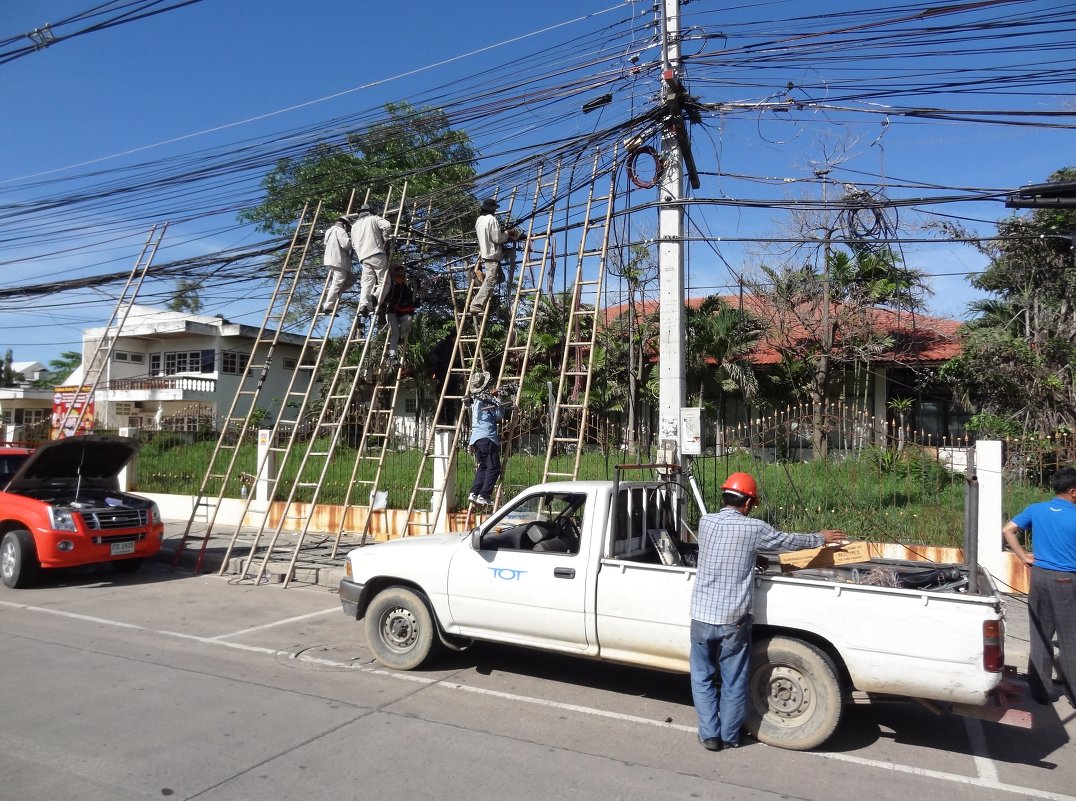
point(984, 766)
point(74, 616)
point(974, 781)
point(276, 623)
point(986, 778)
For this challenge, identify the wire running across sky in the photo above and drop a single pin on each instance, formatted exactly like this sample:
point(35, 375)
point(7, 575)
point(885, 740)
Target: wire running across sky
point(765, 81)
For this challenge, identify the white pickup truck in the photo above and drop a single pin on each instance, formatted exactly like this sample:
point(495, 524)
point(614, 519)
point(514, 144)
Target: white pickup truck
point(597, 569)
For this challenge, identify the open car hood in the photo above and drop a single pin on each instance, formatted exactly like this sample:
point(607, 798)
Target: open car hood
point(97, 458)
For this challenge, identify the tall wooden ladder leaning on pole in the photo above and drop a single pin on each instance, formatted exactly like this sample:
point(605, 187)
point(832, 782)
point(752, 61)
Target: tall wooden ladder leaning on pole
point(96, 367)
point(567, 431)
point(538, 251)
point(465, 361)
point(339, 399)
point(378, 427)
point(237, 424)
point(288, 424)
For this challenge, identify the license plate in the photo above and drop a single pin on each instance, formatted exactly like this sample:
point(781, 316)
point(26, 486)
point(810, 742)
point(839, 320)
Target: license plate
point(120, 548)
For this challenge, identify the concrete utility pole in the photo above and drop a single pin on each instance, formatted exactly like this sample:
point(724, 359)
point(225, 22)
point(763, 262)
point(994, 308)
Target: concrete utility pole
point(672, 383)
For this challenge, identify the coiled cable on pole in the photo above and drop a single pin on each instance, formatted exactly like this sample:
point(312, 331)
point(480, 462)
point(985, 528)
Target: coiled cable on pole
point(659, 167)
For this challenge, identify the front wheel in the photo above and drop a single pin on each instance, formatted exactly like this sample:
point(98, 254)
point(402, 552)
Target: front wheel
point(795, 699)
point(400, 629)
point(18, 559)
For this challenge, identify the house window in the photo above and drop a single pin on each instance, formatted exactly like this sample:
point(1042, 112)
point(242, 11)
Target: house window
point(233, 363)
point(32, 416)
point(184, 361)
point(290, 364)
point(5, 416)
point(410, 405)
point(128, 356)
point(123, 408)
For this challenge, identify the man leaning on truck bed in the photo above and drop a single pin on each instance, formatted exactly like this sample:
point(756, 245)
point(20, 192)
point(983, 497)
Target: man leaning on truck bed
point(1052, 599)
point(729, 542)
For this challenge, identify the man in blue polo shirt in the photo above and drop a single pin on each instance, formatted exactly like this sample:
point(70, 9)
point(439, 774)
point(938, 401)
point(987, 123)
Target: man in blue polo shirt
point(1052, 601)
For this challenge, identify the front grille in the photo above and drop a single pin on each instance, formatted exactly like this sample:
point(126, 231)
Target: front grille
point(106, 539)
point(104, 519)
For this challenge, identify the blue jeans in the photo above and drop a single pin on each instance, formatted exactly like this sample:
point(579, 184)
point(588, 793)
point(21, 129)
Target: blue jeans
point(727, 650)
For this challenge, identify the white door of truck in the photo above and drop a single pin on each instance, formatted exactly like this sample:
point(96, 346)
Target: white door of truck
point(527, 581)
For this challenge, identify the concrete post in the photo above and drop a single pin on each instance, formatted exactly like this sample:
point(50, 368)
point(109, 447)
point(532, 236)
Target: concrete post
point(128, 476)
point(444, 476)
point(988, 467)
point(267, 459)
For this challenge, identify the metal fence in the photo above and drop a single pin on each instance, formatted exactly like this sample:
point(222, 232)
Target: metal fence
point(878, 482)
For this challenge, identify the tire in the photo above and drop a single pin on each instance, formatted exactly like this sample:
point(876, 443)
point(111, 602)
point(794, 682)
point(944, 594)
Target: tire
point(127, 565)
point(794, 694)
point(400, 629)
point(18, 559)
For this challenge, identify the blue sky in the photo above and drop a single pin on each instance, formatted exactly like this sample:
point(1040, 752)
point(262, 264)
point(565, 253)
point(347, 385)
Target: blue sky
point(231, 67)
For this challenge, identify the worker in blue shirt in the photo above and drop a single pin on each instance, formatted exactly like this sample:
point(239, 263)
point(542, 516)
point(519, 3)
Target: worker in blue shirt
point(1052, 600)
point(721, 607)
point(486, 412)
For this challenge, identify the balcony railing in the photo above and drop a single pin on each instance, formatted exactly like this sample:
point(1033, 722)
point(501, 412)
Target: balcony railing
point(185, 383)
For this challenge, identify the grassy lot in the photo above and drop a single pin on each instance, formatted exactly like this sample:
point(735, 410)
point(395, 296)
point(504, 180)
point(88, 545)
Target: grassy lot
point(880, 497)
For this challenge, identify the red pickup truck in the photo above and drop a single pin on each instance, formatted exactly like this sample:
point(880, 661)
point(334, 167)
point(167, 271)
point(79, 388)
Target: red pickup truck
point(60, 507)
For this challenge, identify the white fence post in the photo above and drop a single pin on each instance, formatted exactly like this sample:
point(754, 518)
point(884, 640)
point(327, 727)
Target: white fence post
point(267, 458)
point(988, 468)
point(445, 479)
point(127, 478)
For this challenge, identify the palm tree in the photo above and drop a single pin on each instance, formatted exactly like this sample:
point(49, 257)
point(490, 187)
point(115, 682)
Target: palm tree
point(719, 339)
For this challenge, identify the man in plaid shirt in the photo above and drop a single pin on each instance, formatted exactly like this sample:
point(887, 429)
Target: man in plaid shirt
point(729, 542)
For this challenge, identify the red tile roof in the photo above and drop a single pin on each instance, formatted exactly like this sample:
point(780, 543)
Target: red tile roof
point(918, 338)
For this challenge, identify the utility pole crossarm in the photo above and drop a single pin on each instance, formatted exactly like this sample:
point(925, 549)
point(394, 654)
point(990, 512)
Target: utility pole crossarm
point(677, 104)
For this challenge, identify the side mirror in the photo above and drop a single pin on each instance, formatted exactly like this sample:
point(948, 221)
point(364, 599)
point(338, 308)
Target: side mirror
point(476, 538)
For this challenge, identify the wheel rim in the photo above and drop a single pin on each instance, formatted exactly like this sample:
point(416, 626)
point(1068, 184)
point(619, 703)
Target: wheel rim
point(7, 560)
point(786, 695)
point(399, 629)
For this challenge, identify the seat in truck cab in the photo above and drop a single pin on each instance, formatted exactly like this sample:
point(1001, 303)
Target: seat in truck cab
point(524, 537)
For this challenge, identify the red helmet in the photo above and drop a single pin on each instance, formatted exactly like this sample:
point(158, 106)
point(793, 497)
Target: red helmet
point(743, 484)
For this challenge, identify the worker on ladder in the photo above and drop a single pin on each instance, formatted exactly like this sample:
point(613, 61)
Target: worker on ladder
point(338, 261)
point(400, 305)
point(490, 239)
point(370, 236)
point(485, 442)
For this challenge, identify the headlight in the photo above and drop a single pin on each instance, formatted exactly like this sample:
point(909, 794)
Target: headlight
point(62, 519)
point(154, 514)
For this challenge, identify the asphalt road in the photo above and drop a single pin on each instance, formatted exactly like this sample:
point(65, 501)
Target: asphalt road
point(167, 685)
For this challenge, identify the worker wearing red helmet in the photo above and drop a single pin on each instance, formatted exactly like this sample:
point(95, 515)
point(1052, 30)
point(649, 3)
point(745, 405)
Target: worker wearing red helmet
point(721, 603)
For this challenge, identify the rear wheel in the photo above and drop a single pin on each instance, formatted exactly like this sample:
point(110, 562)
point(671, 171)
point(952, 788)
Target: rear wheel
point(18, 559)
point(400, 629)
point(127, 565)
point(795, 699)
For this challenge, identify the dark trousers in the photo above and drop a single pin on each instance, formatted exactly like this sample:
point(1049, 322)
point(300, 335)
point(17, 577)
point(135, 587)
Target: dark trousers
point(1052, 611)
point(489, 467)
